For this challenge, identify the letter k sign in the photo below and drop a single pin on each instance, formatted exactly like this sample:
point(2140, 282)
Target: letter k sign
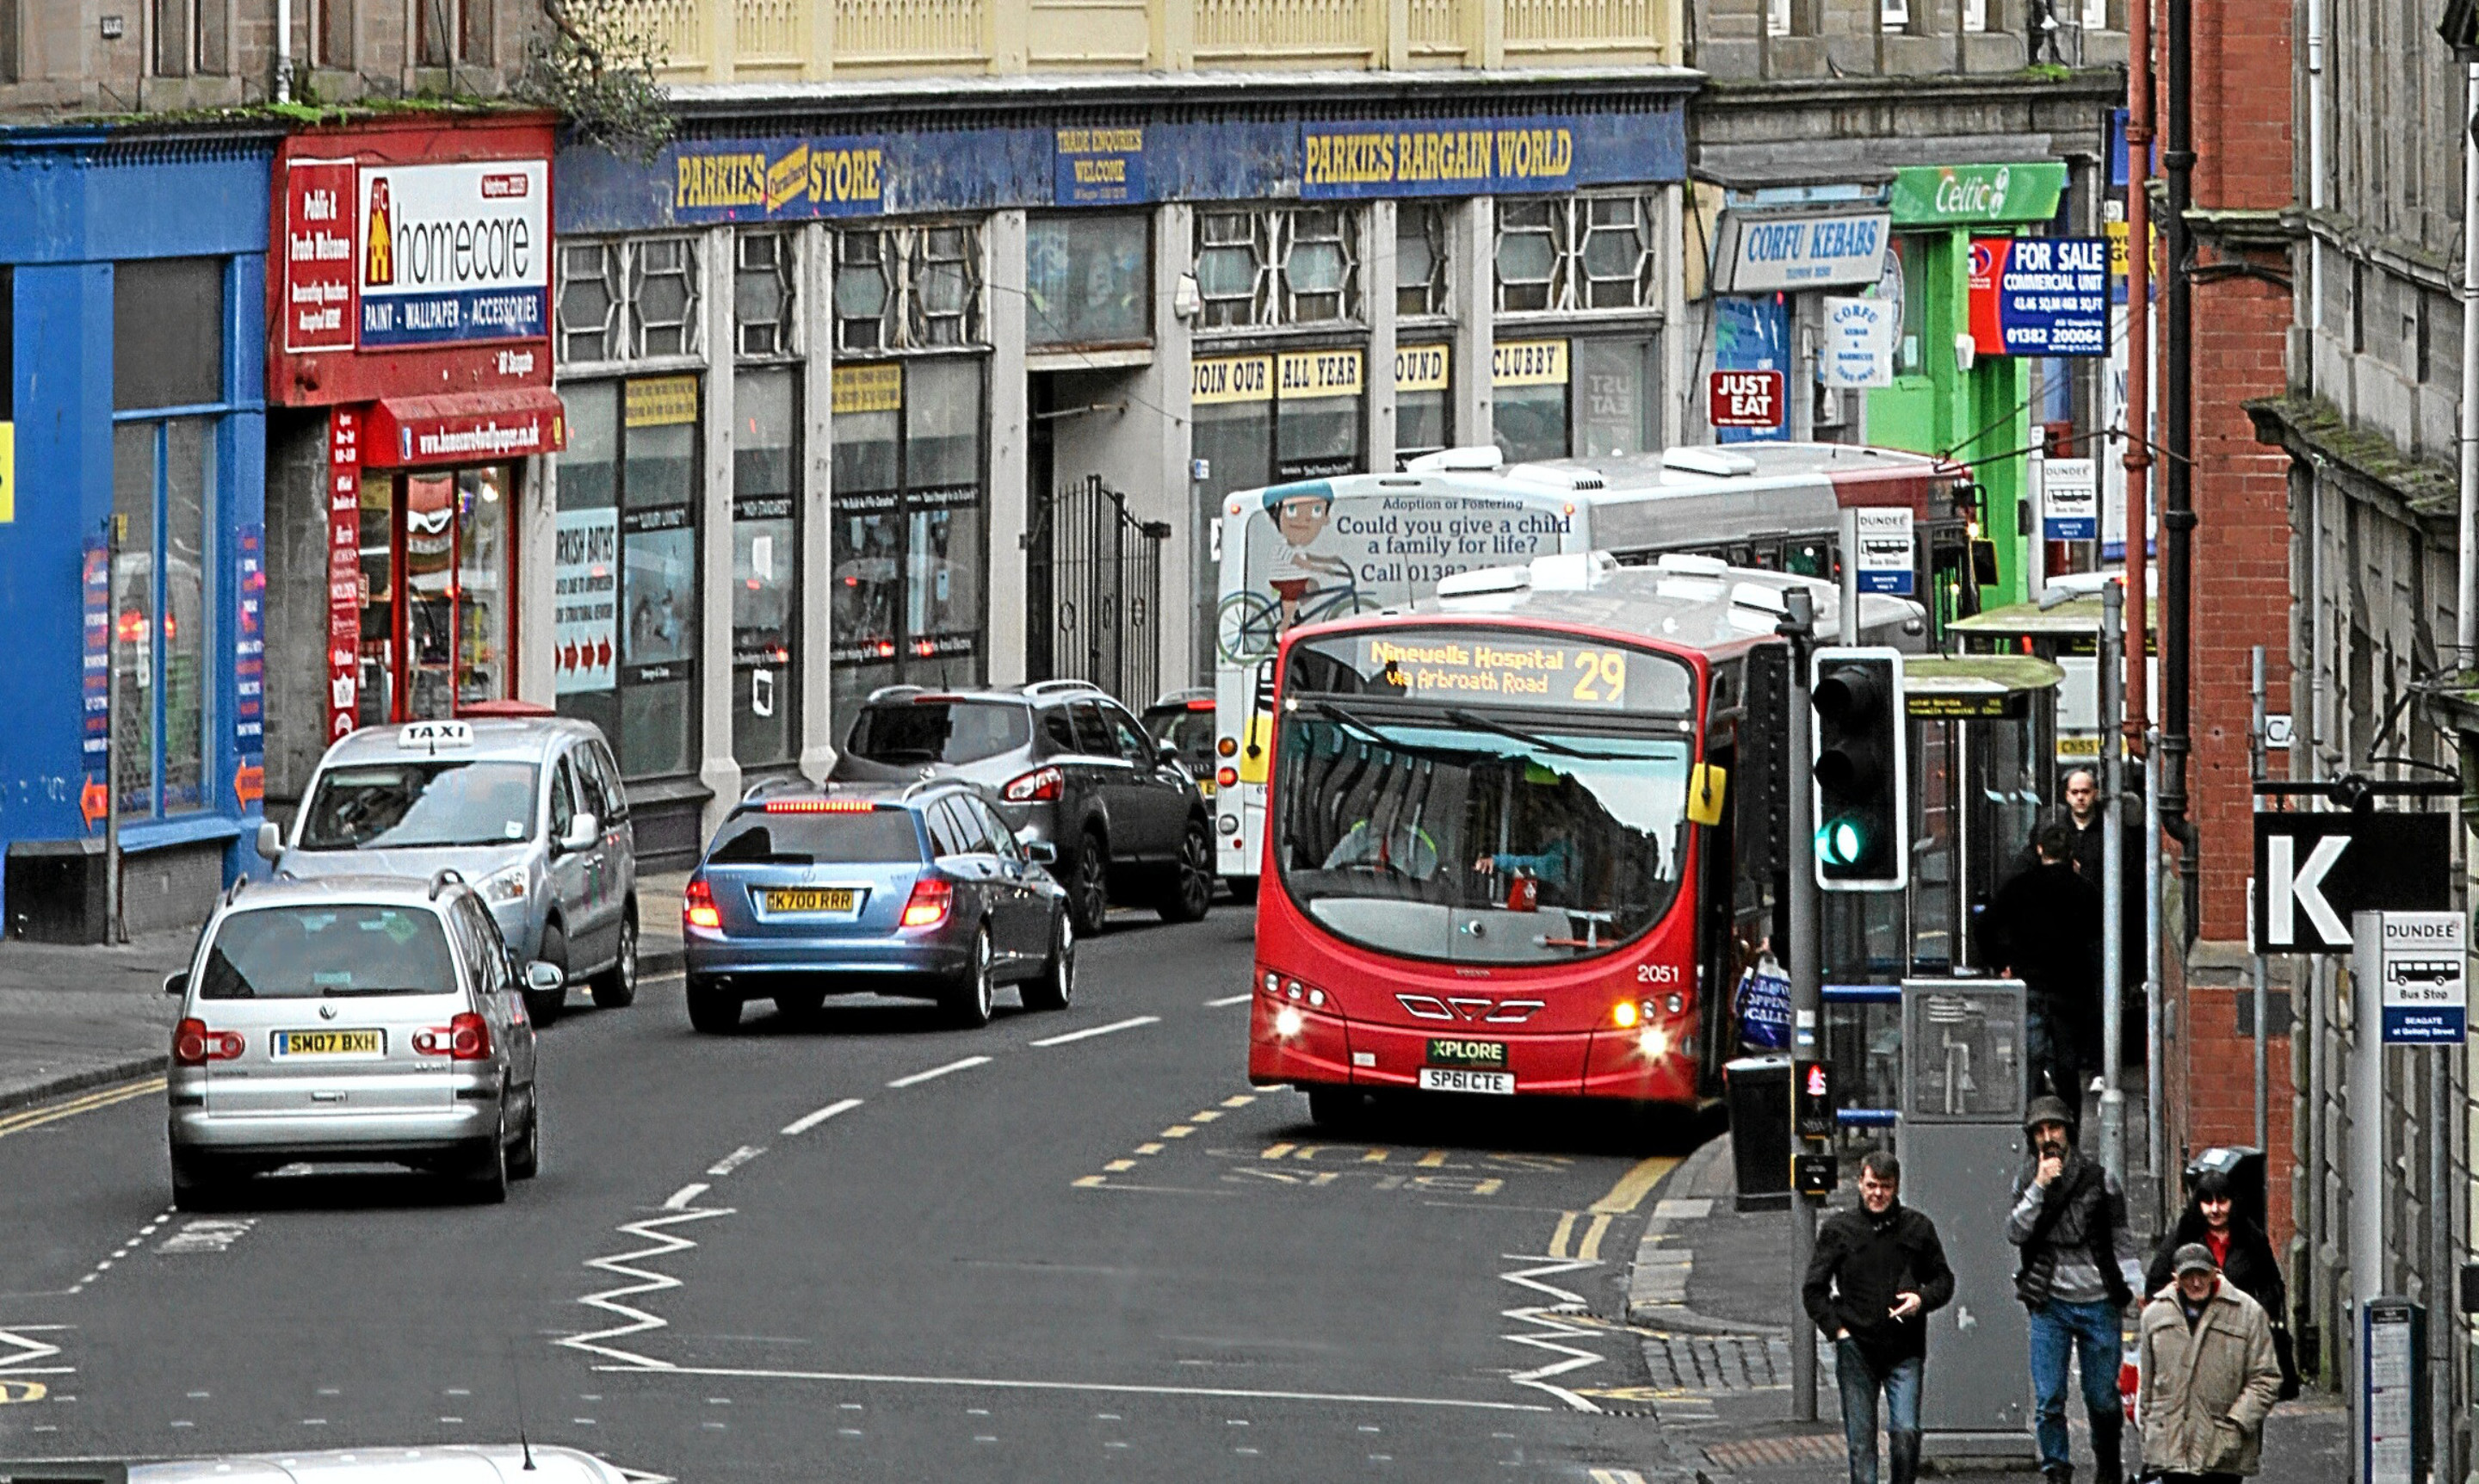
point(2292, 888)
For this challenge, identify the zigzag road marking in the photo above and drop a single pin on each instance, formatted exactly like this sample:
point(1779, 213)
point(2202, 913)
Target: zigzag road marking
point(609, 1300)
point(1553, 1327)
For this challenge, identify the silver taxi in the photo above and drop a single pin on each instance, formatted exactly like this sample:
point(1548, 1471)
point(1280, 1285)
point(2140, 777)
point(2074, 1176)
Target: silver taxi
point(530, 810)
point(353, 1019)
point(499, 1463)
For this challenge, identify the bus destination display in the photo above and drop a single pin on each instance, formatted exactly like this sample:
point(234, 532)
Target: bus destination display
point(1504, 670)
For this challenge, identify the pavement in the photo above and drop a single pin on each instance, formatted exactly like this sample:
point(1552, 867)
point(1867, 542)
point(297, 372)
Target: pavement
point(79, 1017)
point(1712, 1299)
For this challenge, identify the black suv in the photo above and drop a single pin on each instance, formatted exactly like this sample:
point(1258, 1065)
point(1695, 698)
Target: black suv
point(1069, 765)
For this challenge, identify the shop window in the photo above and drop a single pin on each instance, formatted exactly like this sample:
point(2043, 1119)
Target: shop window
point(910, 513)
point(1088, 280)
point(167, 340)
point(437, 604)
point(1596, 396)
point(1573, 253)
point(1285, 265)
point(1420, 258)
point(628, 483)
point(663, 296)
point(633, 300)
point(589, 301)
point(1910, 272)
point(765, 566)
point(1423, 400)
point(762, 293)
point(164, 479)
point(915, 288)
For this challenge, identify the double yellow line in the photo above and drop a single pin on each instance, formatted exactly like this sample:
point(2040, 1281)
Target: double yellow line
point(1624, 1197)
point(26, 1118)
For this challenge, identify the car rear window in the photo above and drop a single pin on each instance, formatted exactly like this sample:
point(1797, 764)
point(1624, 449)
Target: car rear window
point(403, 806)
point(306, 953)
point(952, 732)
point(880, 836)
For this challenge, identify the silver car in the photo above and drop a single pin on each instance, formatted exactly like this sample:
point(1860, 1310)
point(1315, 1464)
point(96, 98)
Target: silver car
point(354, 1019)
point(531, 811)
point(499, 1463)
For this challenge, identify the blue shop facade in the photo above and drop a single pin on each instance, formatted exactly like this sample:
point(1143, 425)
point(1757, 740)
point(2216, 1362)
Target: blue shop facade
point(133, 324)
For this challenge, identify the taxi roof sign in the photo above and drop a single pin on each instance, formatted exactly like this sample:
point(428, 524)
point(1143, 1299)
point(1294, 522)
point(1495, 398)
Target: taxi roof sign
point(432, 737)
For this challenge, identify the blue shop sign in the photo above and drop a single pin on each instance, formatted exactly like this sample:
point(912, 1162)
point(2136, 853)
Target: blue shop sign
point(1099, 167)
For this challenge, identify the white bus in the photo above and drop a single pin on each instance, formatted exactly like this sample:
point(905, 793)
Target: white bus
point(1325, 549)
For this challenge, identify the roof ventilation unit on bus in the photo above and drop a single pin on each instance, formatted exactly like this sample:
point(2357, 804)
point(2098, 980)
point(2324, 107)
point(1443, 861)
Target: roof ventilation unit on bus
point(1707, 459)
point(1485, 582)
point(1552, 477)
point(1472, 458)
point(1571, 571)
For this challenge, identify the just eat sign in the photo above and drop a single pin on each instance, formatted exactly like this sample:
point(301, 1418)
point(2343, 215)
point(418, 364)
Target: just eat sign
point(1745, 399)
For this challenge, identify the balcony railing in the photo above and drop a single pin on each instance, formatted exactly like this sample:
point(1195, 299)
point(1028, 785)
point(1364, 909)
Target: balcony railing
point(718, 40)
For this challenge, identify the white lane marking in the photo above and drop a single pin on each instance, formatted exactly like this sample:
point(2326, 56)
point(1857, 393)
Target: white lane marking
point(735, 1158)
point(682, 1197)
point(1228, 998)
point(1550, 1328)
point(207, 1235)
point(664, 1244)
point(809, 1120)
point(1105, 1387)
point(19, 1360)
point(1129, 1024)
point(917, 1078)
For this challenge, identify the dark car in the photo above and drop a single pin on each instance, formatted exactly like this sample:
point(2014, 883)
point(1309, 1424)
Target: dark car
point(1184, 719)
point(1069, 766)
point(922, 891)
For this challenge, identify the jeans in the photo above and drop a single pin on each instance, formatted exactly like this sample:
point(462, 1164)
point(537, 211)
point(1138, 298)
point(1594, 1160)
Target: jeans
point(2089, 1331)
point(1859, 1385)
point(2051, 1046)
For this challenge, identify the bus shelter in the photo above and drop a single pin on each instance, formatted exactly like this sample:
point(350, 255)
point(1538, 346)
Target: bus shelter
point(1982, 734)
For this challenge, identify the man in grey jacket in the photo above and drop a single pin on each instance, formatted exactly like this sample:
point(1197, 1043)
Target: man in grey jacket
point(2078, 1268)
point(2209, 1375)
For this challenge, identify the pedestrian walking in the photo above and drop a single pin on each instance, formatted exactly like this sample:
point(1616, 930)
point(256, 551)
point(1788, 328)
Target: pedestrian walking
point(2242, 1253)
point(2209, 1375)
point(2043, 928)
point(1877, 1273)
point(2075, 1273)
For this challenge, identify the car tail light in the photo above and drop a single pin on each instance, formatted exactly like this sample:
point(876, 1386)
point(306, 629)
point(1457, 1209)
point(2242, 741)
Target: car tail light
point(819, 805)
point(1039, 785)
point(697, 906)
point(194, 1045)
point(467, 1037)
point(927, 905)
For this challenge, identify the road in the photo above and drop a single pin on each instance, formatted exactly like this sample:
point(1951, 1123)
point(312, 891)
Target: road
point(1066, 1246)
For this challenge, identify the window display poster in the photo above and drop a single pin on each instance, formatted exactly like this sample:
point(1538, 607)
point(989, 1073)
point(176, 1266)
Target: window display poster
point(660, 596)
point(249, 666)
point(585, 599)
point(1751, 332)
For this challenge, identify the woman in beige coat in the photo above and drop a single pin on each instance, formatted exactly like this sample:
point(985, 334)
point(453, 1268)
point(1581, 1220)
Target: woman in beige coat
point(2209, 1376)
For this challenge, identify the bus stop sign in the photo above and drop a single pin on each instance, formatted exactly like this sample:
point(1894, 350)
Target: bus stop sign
point(2313, 871)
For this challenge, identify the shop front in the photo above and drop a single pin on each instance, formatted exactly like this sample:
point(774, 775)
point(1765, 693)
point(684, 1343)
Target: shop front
point(132, 445)
point(411, 276)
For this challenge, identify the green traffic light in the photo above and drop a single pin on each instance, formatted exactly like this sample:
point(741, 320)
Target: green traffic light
point(1840, 842)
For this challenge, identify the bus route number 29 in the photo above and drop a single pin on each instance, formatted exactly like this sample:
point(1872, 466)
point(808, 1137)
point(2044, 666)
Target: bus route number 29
point(1600, 677)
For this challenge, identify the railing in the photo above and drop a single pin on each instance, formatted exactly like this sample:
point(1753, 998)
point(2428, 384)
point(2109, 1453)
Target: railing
point(713, 40)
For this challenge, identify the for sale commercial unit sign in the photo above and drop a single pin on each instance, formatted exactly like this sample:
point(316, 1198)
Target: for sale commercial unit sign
point(2039, 296)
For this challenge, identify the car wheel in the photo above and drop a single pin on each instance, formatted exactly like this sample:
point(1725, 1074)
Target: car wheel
point(712, 1010)
point(1057, 985)
point(525, 1162)
point(1243, 889)
point(969, 1004)
point(543, 1005)
point(1088, 890)
point(486, 1180)
point(1189, 894)
point(199, 1182)
point(1337, 1108)
point(616, 987)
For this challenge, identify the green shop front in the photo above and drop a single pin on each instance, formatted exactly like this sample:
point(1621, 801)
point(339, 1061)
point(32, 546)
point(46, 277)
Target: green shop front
point(1945, 397)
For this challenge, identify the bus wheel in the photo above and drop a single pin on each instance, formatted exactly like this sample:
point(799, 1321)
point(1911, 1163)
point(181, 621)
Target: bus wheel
point(1337, 1108)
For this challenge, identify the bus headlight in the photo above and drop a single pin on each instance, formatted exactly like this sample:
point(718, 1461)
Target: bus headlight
point(1654, 1044)
point(1288, 1021)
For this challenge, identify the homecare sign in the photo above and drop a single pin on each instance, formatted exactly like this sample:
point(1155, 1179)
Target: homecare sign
point(455, 252)
point(1769, 253)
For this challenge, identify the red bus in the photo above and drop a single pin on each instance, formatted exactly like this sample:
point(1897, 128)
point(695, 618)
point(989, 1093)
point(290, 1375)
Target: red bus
point(1522, 836)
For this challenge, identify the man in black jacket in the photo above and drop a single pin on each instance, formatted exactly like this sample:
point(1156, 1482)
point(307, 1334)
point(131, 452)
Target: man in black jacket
point(1877, 1273)
point(2043, 928)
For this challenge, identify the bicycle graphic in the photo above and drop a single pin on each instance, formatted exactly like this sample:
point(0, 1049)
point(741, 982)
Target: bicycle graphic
point(1248, 625)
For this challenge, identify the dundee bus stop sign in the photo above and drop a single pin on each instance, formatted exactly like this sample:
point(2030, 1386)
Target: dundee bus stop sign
point(2419, 964)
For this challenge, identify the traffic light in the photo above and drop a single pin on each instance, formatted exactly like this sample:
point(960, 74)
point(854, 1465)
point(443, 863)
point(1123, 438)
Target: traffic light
point(1862, 780)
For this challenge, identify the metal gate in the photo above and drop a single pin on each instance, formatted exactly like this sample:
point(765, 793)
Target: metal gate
point(1093, 592)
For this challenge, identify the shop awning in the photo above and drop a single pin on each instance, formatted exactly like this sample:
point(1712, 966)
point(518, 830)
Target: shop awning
point(465, 427)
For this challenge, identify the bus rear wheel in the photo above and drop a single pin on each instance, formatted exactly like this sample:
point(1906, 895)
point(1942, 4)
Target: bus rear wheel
point(1337, 1108)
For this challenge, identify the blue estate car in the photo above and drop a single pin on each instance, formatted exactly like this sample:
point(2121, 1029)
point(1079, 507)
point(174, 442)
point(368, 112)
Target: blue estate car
point(919, 892)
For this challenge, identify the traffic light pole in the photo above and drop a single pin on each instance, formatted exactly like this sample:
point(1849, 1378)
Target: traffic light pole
point(1806, 967)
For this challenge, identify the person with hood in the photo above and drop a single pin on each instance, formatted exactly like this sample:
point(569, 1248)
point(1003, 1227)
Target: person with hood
point(2241, 1253)
point(2075, 1273)
point(2209, 1376)
point(1877, 1273)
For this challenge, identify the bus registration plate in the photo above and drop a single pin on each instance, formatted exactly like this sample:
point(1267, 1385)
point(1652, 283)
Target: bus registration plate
point(1460, 1078)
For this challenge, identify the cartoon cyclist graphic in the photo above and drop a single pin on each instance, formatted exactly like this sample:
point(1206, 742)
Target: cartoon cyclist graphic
point(1300, 513)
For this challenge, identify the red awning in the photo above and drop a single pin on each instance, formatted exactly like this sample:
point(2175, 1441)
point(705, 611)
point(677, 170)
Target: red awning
point(467, 427)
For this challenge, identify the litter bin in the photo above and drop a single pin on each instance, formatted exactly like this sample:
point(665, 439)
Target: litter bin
point(1757, 1091)
point(2244, 1168)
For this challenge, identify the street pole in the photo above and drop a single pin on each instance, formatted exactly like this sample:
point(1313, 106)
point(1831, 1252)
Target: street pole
point(1805, 962)
point(2263, 996)
point(1847, 618)
point(2112, 890)
point(2154, 1024)
point(115, 928)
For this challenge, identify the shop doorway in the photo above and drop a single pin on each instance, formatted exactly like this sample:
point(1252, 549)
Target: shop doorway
point(1093, 591)
point(437, 590)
